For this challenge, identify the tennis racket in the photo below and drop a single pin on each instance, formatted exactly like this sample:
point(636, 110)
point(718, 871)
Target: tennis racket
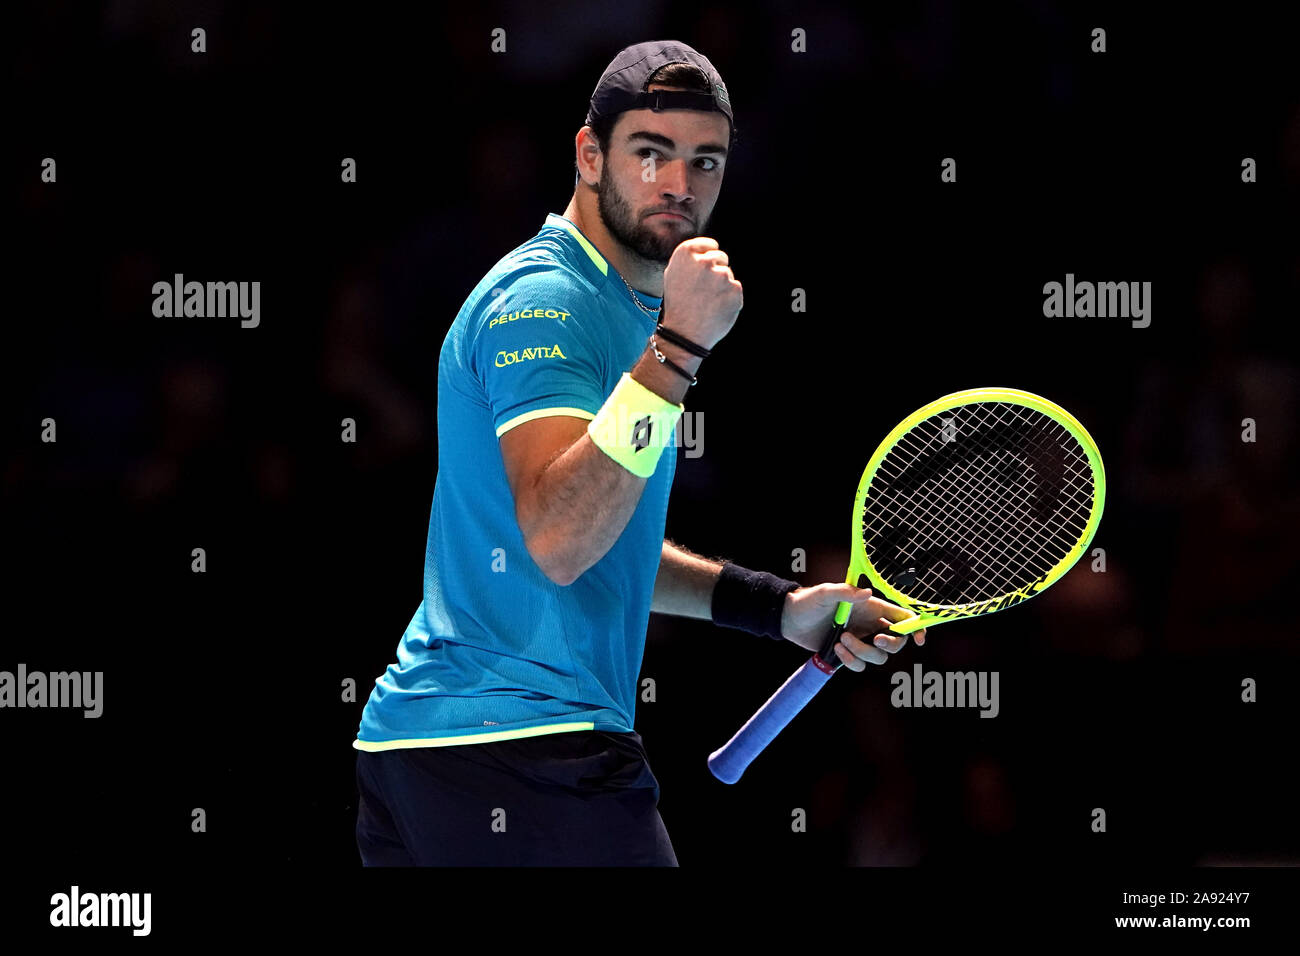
point(974, 503)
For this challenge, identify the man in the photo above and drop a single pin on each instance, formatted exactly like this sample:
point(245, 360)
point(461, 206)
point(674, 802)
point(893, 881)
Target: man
point(503, 734)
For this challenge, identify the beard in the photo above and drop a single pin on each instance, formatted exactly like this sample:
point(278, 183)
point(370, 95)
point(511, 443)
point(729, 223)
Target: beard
point(641, 239)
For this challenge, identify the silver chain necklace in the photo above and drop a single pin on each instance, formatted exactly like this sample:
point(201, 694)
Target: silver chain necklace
point(639, 304)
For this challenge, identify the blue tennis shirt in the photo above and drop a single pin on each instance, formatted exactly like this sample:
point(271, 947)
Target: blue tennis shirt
point(496, 649)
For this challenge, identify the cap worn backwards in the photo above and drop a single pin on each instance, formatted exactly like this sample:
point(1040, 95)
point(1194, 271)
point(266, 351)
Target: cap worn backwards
point(623, 85)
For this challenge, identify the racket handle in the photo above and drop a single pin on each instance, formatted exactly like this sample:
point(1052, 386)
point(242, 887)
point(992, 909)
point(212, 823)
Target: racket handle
point(730, 760)
point(828, 657)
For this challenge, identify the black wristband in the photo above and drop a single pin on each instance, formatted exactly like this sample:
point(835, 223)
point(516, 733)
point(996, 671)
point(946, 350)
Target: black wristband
point(680, 340)
point(750, 600)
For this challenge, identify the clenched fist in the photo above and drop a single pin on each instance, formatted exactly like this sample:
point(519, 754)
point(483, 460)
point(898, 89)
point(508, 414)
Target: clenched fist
point(701, 296)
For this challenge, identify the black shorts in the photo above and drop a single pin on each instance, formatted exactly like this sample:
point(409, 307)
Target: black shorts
point(580, 798)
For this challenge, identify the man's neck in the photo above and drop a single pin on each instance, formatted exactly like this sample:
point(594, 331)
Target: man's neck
point(644, 276)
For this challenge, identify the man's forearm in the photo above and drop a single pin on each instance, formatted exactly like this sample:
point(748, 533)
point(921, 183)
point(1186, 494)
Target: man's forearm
point(584, 499)
point(659, 378)
point(684, 585)
point(578, 508)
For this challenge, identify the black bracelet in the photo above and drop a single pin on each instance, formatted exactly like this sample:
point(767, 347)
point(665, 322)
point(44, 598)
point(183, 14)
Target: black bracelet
point(665, 360)
point(682, 341)
point(750, 600)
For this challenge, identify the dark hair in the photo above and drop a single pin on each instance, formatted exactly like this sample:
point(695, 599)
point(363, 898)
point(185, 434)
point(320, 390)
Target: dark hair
point(680, 75)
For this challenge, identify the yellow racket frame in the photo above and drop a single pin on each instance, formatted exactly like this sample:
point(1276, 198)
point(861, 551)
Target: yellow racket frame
point(925, 615)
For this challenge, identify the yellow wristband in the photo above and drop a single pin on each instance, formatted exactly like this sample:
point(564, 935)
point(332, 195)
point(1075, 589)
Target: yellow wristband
point(634, 426)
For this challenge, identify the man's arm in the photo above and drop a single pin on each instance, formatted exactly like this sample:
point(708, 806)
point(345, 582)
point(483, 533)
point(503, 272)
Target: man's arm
point(684, 585)
point(572, 500)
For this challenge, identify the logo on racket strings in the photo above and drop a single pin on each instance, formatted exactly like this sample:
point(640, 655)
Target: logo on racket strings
point(980, 607)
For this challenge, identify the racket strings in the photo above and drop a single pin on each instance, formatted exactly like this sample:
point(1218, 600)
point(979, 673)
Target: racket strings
point(977, 502)
point(972, 507)
point(1019, 515)
point(955, 567)
point(1013, 506)
point(984, 560)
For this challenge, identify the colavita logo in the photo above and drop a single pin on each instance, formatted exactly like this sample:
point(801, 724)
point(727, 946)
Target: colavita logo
point(528, 314)
point(505, 358)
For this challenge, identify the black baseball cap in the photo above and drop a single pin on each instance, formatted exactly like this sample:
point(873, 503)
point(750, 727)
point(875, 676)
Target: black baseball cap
point(623, 85)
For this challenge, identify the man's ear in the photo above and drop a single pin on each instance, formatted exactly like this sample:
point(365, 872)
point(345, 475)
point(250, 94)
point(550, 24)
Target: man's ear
point(588, 150)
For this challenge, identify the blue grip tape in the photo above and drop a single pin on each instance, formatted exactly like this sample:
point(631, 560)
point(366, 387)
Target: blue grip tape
point(730, 760)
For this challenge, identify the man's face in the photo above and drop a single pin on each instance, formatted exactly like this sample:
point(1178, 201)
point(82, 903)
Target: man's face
point(651, 207)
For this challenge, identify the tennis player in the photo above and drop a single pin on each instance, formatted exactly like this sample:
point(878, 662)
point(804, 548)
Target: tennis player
point(504, 733)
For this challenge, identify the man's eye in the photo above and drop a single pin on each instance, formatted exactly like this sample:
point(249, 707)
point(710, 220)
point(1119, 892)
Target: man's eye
point(712, 164)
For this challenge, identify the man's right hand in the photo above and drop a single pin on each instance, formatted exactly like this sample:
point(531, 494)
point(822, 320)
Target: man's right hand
point(701, 296)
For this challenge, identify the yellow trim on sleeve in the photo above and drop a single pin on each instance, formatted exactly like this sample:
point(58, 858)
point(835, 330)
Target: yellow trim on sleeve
point(543, 413)
point(374, 746)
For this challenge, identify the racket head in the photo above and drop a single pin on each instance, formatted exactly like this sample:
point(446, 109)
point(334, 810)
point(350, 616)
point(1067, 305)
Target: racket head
point(991, 517)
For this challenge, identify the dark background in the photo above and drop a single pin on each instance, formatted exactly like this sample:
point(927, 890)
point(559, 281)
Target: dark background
point(222, 690)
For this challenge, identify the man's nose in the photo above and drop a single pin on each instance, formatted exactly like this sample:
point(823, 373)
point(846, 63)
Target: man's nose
point(672, 179)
